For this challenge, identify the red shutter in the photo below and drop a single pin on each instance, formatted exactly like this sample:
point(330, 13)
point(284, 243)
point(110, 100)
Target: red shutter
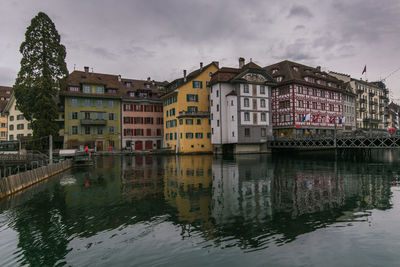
point(124, 132)
point(141, 107)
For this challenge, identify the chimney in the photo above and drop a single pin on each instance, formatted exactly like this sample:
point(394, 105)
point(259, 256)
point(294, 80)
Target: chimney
point(241, 62)
point(318, 68)
point(216, 63)
point(119, 78)
point(184, 75)
point(148, 79)
point(201, 66)
point(86, 69)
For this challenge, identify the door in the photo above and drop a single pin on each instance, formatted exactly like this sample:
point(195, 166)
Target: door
point(99, 145)
point(149, 145)
point(158, 144)
point(138, 145)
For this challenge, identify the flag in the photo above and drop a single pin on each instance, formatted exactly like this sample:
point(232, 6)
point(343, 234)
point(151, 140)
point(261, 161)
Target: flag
point(326, 118)
point(364, 70)
point(332, 119)
point(316, 118)
point(307, 117)
point(342, 120)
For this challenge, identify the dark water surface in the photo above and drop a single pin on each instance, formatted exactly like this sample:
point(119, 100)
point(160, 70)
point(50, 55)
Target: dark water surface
point(204, 211)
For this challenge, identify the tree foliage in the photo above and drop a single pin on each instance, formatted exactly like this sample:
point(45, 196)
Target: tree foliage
point(43, 70)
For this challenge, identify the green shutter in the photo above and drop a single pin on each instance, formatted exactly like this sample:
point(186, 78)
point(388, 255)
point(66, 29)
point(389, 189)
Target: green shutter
point(201, 84)
point(80, 115)
point(69, 115)
point(69, 130)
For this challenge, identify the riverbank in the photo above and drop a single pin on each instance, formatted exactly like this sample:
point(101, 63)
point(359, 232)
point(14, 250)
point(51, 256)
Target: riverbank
point(14, 183)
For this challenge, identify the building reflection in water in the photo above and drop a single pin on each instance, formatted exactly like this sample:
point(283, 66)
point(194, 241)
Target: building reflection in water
point(187, 182)
point(142, 177)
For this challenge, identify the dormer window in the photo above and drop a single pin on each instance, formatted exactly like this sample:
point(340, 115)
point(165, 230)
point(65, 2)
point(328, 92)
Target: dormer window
point(74, 89)
point(147, 85)
point(132, 94)
point(86, 89)
point(111, 91)
point(128, 84)
point(99, 90)
point(274, 71)
point(329, 84)
point(279, 79)
point(8, 92)
point(295, 68)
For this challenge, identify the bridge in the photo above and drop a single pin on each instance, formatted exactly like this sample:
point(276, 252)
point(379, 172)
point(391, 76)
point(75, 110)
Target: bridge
point(331, 142)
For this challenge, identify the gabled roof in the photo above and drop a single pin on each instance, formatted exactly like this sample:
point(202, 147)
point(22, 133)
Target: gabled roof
point(5, 92)
point(191, 76)
point(295, 72)
point(138, 86)
point(228, 75)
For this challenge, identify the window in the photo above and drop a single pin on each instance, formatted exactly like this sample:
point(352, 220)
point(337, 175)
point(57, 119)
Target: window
point(189, 121)
point(74, 129)
point(323, 106)
point(3, 125)
point(128, 84)
point(262, 103)
point(263, 132)
point(233, 134)
point(314, 105)
point(86, 89)
point(247, 132)
point(180, 122)
point(262, 90)
point(15, 108)
point(148, 132)
point(279, 79)
point(11, 137)
point(3, 134)
point(74, 115)
point(246, 102)
point(20, 117)
point(233, 118)
point(99, 103)
point(11, 127)
point(247, 116)
point(197, 84)
point(263, 117)
point(190, 109)
point(87, 130)
point(74, 102)
point(110, 104)
point(322, 93)
point(217, 107)
point(111, 116)
point(199, 135)
point(192, 98)
point(111, 129)
point(198, 122)
point(29, 126)
point(99, 116)
point(87, 102)
point(246, 88)
point(189, 135)
point(20, 136)
point(11, 118)
point(217, 92)
point(20, 126)
point(217, 123)
point(99, 90)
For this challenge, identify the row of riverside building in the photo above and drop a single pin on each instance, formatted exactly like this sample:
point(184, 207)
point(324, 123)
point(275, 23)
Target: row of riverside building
point(210, 109)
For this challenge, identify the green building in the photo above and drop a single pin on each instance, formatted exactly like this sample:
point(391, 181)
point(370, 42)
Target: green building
point(92, 104)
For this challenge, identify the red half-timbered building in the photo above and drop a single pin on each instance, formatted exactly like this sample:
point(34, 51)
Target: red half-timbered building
point(305, 101)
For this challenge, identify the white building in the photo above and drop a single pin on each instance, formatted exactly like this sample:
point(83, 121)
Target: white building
point(240, 108)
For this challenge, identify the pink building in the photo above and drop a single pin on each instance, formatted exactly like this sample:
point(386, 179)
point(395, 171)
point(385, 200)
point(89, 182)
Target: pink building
point(142, 115)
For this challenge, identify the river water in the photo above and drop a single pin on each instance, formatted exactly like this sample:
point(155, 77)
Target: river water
point(250, 210)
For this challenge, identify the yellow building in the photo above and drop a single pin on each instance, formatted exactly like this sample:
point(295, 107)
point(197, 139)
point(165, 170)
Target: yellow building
point(186, 103)
point(5, 95)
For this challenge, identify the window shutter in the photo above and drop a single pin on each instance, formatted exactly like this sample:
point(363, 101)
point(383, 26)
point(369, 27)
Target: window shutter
point(80, 115)
point(69, 115)
point(69, 130)
point(201, 84)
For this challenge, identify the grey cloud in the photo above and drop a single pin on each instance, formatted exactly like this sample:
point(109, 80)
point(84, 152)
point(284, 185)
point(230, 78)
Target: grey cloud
point(297, 51)
point(300, 11)
point(103, 52)
point(299, 27)
point(7, 76)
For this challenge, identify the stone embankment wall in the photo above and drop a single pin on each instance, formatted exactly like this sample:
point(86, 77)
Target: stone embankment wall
point(14, 183)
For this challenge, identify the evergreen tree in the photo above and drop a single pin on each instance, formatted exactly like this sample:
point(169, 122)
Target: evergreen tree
point(43, 70)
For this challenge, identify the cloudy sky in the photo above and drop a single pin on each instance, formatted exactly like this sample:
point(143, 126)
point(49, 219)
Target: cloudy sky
point(160, 38)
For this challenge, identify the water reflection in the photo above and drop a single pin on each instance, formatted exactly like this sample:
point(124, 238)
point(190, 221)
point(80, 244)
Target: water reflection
point(251, 202)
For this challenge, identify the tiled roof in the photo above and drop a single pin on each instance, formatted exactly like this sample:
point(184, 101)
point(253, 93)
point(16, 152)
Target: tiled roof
point(295, 72)
point(180, 81)
point(77, 78)
point(226, 74)
point(4, 95)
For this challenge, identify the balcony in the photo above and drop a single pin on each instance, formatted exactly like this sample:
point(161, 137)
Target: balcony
point(373, 111)
point(359, 91)
point(93, 122)
point(362, 109)
point(203, 114)
point(363, 100)
point(371, 94)
point(371, 120)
